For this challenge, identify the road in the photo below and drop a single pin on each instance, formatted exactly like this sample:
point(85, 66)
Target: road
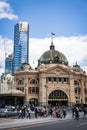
point(57, 125)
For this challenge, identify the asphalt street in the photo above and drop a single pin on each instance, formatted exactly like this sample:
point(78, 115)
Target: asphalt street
point(57, 125)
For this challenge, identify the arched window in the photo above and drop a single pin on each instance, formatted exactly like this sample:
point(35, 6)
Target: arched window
point(77, 90)
point(76, 82)
point(33, 81)
point(56, 59)
point(20, 82)
point(58, 94)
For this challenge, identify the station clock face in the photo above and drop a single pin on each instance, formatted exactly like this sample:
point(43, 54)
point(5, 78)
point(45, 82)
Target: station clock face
point(57, 72)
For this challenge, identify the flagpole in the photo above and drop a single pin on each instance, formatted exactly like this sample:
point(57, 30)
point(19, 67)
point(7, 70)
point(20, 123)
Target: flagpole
point(52, 47)
point(51, 39)
point(52, 34)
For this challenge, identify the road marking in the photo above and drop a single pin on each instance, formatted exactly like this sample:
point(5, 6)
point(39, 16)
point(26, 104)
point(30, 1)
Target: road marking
point(82, 124)
point(85, 123)
point(30, 126)
point(35, 125)
point(12, 129)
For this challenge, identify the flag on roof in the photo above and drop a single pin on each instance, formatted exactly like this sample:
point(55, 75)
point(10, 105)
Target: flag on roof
point(52, 33)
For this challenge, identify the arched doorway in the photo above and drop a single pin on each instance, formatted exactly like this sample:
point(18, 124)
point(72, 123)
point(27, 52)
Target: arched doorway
point(58, 97)
point(33, 101)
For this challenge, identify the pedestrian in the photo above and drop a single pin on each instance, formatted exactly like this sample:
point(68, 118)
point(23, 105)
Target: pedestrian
point(73, 111)
point(36, 112)
point(64, 113)
point(29, 113)
point(54, 112)
point(84, 113)
point(50, 111)
point(20, 113)
point(77, 113)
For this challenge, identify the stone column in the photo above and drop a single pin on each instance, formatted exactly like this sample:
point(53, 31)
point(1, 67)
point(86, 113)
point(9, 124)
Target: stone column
point(82, 92)
point(42, 90)
point(26, 91)
point(71, 91)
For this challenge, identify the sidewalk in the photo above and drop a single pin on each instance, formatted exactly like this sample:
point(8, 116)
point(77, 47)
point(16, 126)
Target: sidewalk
point(9, 123)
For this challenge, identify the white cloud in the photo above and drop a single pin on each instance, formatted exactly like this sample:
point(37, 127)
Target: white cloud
point(6, 46)
point(6, 11)
point(73, 47)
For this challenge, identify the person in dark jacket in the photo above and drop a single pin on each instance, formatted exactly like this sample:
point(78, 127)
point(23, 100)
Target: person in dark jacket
point(64, 113)
point(36, 112)
point(77, 113)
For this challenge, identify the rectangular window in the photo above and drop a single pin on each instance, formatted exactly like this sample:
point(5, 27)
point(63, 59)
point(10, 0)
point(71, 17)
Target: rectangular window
point(65, 79)
point(75, 90)
point(49, 79)
point(37, 89)
point(59, 79)
point(33, 90)
point(29, 90)
point(55, 79)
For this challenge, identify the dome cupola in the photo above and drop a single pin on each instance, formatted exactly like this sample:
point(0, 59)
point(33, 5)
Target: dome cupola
point(76, 67)
point(52, 56)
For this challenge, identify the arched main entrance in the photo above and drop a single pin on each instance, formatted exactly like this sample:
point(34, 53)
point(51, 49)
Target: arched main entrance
point(58, 97)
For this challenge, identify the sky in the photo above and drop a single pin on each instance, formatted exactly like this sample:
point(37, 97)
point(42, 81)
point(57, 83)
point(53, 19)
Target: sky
point(66, 18)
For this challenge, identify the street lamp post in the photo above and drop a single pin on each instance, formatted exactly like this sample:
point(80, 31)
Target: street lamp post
point(46, 95)
point(25, 87)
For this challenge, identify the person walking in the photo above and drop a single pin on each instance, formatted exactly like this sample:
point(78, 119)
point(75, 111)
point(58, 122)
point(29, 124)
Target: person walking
point(73, 111)
point(77, 113)
point(36, 112)
point(29, 113)
point(64, 113)
point(84, 113)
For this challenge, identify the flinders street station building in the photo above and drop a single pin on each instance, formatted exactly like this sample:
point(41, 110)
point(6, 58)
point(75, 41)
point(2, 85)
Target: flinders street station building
point(53, 81)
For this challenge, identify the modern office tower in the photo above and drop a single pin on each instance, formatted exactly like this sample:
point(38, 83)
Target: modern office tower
point(8, 64)
point(21, 44)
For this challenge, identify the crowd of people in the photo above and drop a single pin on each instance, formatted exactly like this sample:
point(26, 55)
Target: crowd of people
point(75, 111)
point(30, 111)
point(57, 111)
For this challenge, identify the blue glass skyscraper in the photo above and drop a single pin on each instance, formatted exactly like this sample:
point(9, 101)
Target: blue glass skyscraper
point(21, 44)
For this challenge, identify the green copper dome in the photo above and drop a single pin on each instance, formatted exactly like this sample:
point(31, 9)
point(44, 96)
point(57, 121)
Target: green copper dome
point(76, 67)
point(52, 56)
point(24, 66)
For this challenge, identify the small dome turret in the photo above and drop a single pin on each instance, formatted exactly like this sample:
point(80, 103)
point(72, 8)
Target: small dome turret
point(76, 67)
point(24, 66)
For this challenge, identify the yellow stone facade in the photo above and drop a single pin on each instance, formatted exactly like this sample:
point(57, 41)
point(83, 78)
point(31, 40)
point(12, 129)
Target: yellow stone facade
point(52, 83)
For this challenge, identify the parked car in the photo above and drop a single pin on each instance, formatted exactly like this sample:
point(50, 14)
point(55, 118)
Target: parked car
point(7, 112)
point(3, 113)
point(10, 107)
